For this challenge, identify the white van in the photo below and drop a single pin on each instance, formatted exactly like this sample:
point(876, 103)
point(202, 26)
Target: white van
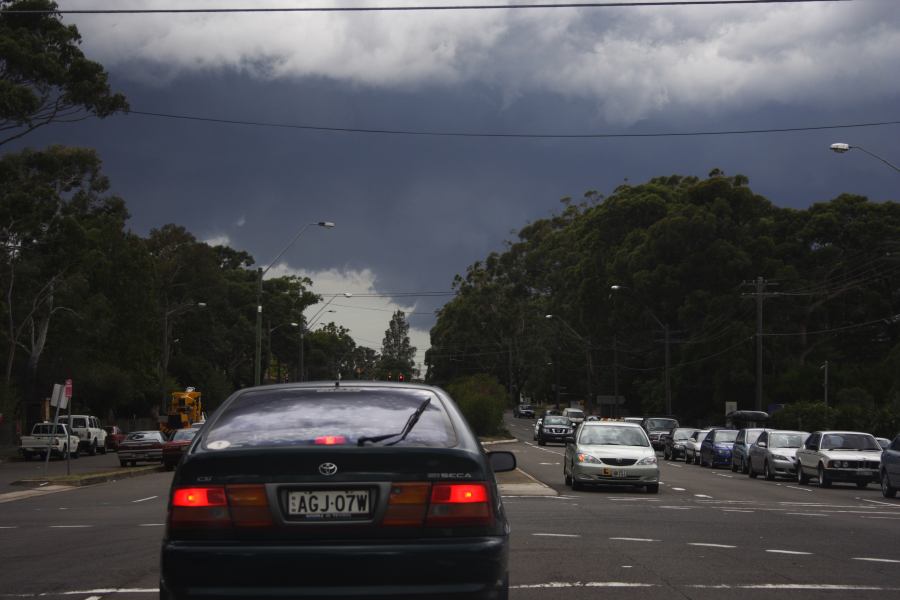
point(576, 415)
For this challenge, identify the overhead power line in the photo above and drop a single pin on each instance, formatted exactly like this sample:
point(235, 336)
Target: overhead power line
point(414, 8)
point(475, 134)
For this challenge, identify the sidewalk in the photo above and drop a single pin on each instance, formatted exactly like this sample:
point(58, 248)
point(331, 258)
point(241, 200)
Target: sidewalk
point(517, 482)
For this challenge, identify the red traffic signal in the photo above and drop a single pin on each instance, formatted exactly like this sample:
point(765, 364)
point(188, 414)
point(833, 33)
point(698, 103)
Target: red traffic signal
point(400, 377)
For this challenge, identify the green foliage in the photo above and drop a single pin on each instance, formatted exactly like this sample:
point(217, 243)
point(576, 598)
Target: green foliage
point(482, 400)
point(44, 76)
point(806, 416)
point(396, 352)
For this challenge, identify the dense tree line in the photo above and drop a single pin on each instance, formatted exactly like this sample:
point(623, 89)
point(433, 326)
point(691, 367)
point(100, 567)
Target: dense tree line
point(687, 253)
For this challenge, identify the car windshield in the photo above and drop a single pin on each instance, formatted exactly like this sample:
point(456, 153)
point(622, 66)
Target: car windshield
point(849, 441)
point(786, 440)
point(526, 407)
point(682, 434)
point(327, 416)
point(575, 414)
point(613, 436)
point(184, 434)
point(79, 422)
point(551, 420)
point(725, 436)
point(661, 423)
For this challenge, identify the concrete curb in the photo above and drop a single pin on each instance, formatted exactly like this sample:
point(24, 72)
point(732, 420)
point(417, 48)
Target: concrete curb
point(492, 442)
point(90, 478)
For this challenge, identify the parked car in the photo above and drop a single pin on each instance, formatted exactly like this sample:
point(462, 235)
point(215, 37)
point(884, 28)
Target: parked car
point(537, 426)
point(883, 442)
point(674, 443)
point(523, 411)
point(90, 432)
point(847, 456)
point(114, 437)
point(890, 469)
point(775, 453)
point(656, 427)
point(692, 446)
point(716, 447)
point(141, 446)
point(554, 429)
point(46, 437)
point(611, 453)
point(576, 415)
point(176, 446)
point(314, 490)
point(740, 452)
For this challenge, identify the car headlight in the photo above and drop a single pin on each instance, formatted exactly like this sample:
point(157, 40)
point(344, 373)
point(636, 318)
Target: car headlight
point(649, 460)
point(679, 446)
point(587, 458)
point(780, 457)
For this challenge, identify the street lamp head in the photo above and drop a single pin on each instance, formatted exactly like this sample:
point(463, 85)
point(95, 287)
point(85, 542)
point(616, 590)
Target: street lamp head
point(840, 147)
point(548, 316)
point(326, 224)
point(201, 304)
point(617, 287)
point(293, 324)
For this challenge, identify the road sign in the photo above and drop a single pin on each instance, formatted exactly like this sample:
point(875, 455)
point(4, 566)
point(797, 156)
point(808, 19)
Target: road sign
point(68, 390)
point(58, 398)
point(730, 407)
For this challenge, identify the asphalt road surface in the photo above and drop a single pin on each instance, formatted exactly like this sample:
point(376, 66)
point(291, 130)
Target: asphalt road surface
point(708, 534)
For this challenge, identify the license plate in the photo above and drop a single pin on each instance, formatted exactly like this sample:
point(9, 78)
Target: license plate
point(864, 472)
point(613, 473)
point(329, 504)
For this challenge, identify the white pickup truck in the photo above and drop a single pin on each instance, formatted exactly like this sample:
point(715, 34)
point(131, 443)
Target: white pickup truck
point(60, 442)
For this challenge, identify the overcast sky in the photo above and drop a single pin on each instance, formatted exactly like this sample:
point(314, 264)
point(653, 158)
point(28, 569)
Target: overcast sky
point(412, 211)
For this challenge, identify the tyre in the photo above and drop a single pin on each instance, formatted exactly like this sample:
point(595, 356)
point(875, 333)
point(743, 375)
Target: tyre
point(802, 478)
point(734, 467)
point(26, 456)
point(666, 454)
point(92, 450)
point(577, 485)
point(696, 459)
point(886, 490)
point(541, 441)
point(823, 480)
point(745, 466)
point(102, 449)
point(123, 463)
point(862, 484)
point(567, 478)
point(653, 488)
point(75, 453)
point(751, 472)
point(767, 472)
point(64, 453)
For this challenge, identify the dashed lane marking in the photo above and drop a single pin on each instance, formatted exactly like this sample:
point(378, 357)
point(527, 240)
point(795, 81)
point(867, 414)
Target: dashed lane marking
point(679, 507)
point(631, 539)
point(885, 518)
point(701, 496)
point(69, 526)
point(9, 526)
point(891, 504)
point(705, 545)
point(578, 584)
point(795, 586)
point(563, 535)
point(144, 499)
point(792, 552)
point(550, 464)
point(631, 499)
point(151, 525)
point(807, 514)
point(879, 560)
point(678, 489)
point(674, 465)
point(794, 487)
point(737, 510)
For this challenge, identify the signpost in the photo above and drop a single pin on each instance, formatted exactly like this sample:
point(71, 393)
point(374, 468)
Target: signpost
point(67, 392)
point(59, 400)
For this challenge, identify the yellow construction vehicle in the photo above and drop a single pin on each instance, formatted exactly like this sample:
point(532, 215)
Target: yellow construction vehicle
point(185, 409)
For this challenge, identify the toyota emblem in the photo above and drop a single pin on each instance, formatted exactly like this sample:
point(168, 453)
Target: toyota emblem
point(328, 469)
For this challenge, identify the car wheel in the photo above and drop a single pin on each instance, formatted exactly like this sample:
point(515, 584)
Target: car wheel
point(767, 472)
point(75, 453)
point(745, 466)
point(541, 441)
point(862, 484)
point(802, 478)
point(734, 467)
point(751, 472)
point(93, 448)
point(102, 449)
point(823, 478)
point(123, 463)
point(566, 477)
point(653, 488)
point(886, 490)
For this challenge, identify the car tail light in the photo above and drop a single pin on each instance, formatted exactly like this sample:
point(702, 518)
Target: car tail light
point(459, 504)
point(249, 505)
point(407, 504)
point(330, 440)
point(199, 507)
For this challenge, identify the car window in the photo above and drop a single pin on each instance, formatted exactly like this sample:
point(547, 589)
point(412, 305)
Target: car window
point(615, 436)
point(724, 436)
point(572, 413)
point(752, 436)
point(763, 437)
point(148, 436)
point(79, 422)
point(682, 434)
point(552, 420)
point(299, 417)
point(849, 441)
point(895, 445)
point(661, 423)
point(786, 440)
point(184, 434)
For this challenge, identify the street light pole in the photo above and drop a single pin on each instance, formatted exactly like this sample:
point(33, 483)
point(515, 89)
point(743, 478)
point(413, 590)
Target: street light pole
point(589, 405)
point(312, 323)
point(842, 147)
point(665, 328)
point(260, 273)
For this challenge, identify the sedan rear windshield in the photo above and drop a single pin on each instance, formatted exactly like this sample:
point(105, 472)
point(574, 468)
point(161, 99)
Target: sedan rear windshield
point(725, 436)
point(613, 436)
point(328, 416)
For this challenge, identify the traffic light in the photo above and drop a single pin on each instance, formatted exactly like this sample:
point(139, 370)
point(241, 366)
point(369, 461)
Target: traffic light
point(400, 377)
point(389, 376)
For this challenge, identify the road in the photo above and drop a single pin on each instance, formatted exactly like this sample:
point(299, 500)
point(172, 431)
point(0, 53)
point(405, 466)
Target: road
point(708, 534)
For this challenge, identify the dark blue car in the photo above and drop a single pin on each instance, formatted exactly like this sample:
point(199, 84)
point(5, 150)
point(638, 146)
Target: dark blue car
point(716, 448)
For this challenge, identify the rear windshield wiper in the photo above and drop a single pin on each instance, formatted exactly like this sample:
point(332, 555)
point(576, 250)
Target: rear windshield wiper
point(410, 423)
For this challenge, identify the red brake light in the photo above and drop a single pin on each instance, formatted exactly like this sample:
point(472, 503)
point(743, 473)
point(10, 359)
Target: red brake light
point(330, 440)
point(459, 505)
point(199, 508)
point(199, 497)
point(457, 493)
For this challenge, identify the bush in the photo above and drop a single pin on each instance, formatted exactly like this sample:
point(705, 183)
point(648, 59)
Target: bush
point(805, 416)
point(482, 400)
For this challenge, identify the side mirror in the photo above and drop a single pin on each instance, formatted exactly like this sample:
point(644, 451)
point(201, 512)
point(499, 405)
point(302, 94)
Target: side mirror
point(502, 461)
point(570, 439)
point(761, 444)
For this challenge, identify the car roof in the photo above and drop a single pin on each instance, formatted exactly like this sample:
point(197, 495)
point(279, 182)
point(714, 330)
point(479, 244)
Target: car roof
point(611, 424)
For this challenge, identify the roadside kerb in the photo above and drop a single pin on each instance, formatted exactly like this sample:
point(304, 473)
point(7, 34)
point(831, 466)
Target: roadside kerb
point(89, 478)
point(518, 482)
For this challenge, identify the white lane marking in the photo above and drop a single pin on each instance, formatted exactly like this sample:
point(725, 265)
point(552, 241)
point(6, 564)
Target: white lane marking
point(679, 507)
point(674, 465)
point(796, 552)
point(633, 499)
point(710, 545)
point(631, 539)
point(887, 518)
point(807, 514)
point(794, 487)
point(881, 560)
point(727, 501)
point(94, 598)
point(723, 475)
point(9, 526)
point(151, 525)
point(701, 496)
point(891, 504)
point(144, 499)
point(556, 463)
point(737, 510)
point(69, 526)
point(678, 489)
point(812, 504)
point(563, 535)
point(578, 584)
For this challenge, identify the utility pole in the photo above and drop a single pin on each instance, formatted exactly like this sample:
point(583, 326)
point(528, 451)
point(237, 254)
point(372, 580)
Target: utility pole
point(668, 364)
point(615, 410)
point(760, 293)
point(824, 367)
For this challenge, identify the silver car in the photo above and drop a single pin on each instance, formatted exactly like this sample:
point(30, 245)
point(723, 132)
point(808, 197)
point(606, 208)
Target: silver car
point(692, 446)
point(611, 453)
point(740, 452)
point(775, 453)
